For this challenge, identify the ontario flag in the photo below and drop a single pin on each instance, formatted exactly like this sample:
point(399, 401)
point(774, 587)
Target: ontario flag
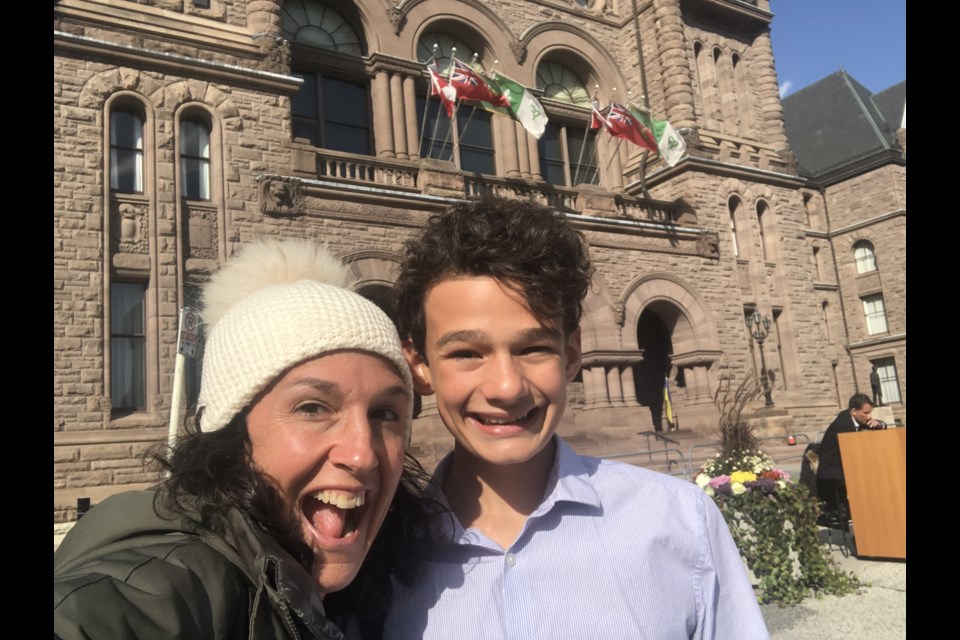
point(440, 88)
point(623, 124)
point(470, 86)
point(670, 144)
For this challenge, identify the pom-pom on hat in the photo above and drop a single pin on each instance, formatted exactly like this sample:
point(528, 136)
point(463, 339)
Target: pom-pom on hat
point(273, 305)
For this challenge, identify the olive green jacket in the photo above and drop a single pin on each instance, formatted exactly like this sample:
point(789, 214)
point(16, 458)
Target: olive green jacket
point(125, 572)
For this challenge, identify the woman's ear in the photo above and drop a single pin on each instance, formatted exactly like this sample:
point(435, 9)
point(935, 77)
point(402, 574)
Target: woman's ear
point(419, 369)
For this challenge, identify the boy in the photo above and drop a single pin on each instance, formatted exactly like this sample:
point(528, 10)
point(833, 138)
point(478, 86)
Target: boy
point(546, 544)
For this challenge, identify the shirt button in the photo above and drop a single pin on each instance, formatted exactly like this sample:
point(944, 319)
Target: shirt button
point(511, 559)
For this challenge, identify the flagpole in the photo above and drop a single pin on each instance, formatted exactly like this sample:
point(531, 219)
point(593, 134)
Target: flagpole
point(473, 110)
point(426, 104)
point(580, 159)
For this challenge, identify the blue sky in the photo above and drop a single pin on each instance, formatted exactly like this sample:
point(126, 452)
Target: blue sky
point(811, 38)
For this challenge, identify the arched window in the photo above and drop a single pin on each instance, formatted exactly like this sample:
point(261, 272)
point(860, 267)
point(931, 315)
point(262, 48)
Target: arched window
point(765, 225)
point(567, 148)
point(195, 159)
point(732, 206)
point(126, 151)
point(332, 107)
point(865, 257)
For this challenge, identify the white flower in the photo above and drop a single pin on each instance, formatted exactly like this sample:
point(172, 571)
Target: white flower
point(702, 480)
point(737, 488)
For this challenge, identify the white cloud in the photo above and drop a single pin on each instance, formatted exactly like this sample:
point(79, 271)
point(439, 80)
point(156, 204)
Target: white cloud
point(785, 88)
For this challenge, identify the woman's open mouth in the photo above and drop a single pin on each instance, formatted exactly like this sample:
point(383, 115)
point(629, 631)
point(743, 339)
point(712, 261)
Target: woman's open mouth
point(334, 513)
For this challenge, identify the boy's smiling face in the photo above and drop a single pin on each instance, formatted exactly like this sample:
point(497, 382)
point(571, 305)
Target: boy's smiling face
point(500, 374)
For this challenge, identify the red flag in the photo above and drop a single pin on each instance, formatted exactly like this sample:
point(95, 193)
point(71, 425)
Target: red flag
point(440, 88)
point(596, 117)
point(622, 124)
point(470, 86)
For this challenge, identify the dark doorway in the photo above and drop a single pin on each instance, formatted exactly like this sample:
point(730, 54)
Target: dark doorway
point(653, 338)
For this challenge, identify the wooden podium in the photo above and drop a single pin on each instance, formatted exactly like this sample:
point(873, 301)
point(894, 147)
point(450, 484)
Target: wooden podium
point(875, 469)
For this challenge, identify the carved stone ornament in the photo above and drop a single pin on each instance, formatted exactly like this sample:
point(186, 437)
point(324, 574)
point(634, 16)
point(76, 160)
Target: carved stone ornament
point(276, 55)
point(128, 229)
point(708, 244)
point(396, 19)
point(281, 196)
point(619, 313)
point(691, 135)
point(202, 233)
point(519, 50)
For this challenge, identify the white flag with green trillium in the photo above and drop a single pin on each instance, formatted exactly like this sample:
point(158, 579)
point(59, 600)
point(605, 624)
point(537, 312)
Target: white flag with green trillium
point(671, 144)
point(524, 107)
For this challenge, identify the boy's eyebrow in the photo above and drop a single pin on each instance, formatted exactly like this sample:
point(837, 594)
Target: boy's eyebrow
point(527, 335)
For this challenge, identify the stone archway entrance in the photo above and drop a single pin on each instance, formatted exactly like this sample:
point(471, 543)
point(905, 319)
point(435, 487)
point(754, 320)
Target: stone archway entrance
point(653, 338)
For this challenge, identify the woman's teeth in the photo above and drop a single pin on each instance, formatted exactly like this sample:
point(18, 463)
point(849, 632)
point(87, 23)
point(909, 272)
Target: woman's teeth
point(340, 500)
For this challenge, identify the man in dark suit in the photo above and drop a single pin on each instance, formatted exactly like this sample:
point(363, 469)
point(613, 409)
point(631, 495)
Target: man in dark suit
point(857, 417)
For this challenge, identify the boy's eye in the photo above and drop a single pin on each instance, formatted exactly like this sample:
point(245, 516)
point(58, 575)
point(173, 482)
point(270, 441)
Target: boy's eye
point(463, 354)
point(540, 348)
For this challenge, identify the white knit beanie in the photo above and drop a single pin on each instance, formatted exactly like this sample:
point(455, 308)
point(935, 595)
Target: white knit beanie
point(273, 305)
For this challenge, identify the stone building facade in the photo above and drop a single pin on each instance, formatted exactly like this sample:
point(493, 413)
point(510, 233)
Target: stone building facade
point(185, 128)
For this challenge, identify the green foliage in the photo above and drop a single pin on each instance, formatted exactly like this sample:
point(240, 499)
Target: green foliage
point(777, 536)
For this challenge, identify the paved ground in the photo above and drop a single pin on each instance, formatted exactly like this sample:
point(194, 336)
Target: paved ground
point(878, 612)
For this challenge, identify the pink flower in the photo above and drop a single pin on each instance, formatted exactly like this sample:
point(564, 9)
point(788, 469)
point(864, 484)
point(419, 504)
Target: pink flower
point(719, 480)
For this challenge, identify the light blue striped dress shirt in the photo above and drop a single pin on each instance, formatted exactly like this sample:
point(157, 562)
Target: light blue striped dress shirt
point(614, 551)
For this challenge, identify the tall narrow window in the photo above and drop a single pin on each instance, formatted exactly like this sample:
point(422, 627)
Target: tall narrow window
point(194, 366)
point(776, 329)
point(889, 384)
point(816, 263)
point(865, 257)
point(195, 160)
point(127, 346)
point(126, 152)
point(568, 155)
point(733, 205)
point(767, 233)
point(875, 313)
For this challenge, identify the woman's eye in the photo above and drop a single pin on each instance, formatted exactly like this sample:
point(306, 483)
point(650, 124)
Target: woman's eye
point(385, 414)
point(311, 408)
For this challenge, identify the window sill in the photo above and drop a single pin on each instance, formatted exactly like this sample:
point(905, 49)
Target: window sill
point(135, 420)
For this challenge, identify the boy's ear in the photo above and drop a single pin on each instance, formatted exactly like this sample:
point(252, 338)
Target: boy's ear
point(573, 354)
point(419, 370)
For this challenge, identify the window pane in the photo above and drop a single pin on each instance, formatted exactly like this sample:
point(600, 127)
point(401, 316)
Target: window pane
point(126, 152)
point(551, 155)
point(435, 141)
point(195, 160)
point(306, 110)
point(866, 259)
point(582, 151)
point(127, 346)
point(876, 314)
point(346, 120)
point(476, 141)
point(889, 385)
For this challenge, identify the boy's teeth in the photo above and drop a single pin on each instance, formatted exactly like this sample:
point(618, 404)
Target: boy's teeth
point(340, 500)
point(493, 421)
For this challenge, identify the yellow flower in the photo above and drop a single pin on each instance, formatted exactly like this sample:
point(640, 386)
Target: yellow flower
point(737, 488)
point(742, 476)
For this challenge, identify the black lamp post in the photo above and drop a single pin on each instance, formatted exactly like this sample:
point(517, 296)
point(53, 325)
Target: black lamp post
point(759, 330)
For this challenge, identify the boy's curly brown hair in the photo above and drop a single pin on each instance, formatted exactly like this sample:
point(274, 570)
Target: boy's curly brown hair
point(527, 247)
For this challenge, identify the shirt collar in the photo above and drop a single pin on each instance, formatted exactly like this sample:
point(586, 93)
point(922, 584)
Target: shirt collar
point(569, 481)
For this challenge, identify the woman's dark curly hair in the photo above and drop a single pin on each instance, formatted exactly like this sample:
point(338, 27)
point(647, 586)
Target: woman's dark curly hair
point(211, 473)
point(528, 247)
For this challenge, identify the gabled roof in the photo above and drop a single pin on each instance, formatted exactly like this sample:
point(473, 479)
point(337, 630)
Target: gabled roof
point(836, 122)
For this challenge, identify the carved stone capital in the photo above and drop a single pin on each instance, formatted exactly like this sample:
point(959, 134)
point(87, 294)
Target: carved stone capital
point(397, 19)
point(281, 196)
point(619, 313)
point(519, 50)
point(276, 55)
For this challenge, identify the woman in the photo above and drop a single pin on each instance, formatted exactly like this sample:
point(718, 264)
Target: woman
point(304, 411)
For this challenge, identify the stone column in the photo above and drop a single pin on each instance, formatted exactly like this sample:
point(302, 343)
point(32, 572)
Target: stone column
point(523, 153)
point(509, 155)
point(701, 384)
point(600, 396)
point(612, 170)
point(382, 118)
point(771, 111)
point(533, 152)
point(396, 107)
point(410, 112)
point(263, 18)
point(675, 73)
point(628, 386)
point(614, 390)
